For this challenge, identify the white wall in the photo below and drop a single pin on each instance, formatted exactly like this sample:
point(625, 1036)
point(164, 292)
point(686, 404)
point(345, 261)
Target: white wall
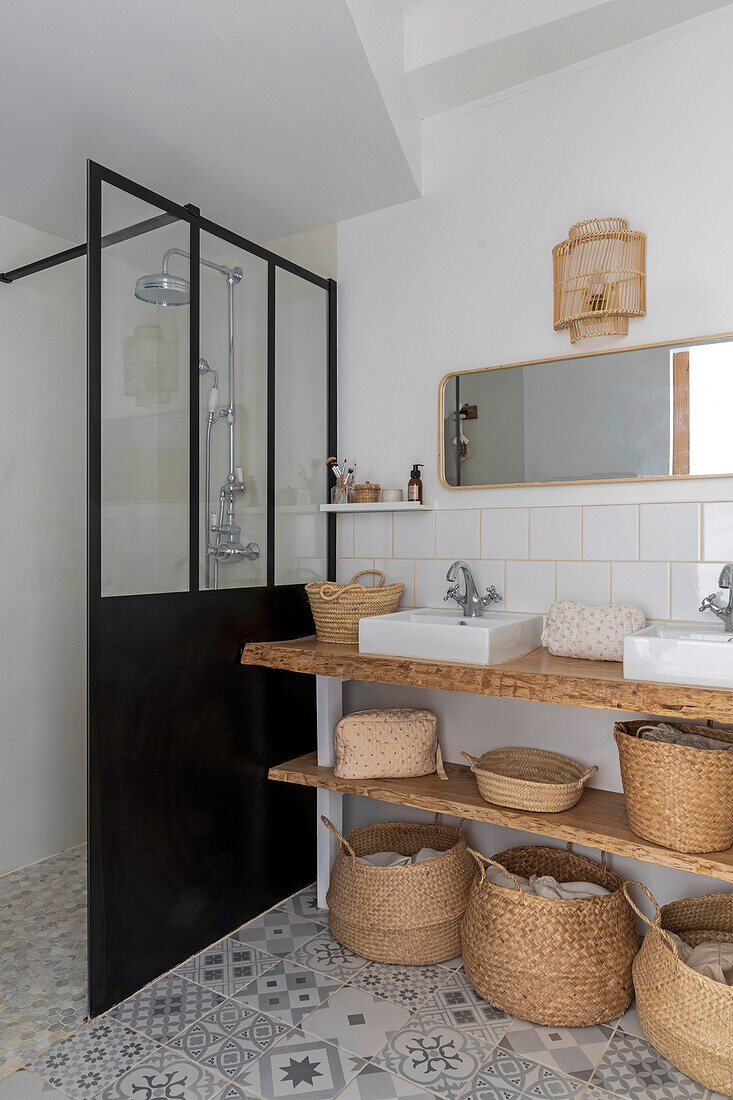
point(462, 278)
point(43, 560)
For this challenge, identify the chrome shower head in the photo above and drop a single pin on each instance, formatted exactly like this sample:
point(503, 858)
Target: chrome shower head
point(163, 289)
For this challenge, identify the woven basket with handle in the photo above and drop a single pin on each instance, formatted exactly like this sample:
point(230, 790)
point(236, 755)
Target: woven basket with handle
point(554, 962)
point(529, 779)
point(410, 915)
point(677, 795)
point(686, 1016)
point(337, 608)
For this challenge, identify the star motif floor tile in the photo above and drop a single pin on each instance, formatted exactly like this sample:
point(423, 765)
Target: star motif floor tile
point(300, 1065)
point(409, 986)
point(456, 1003)
point(288, 992)
point(83, 1063)
point(574, 1051)
point(504, 1076)
point(277, 932)
point(165, 1008)
point(226, 966)
point(23, 1085)
point(326, 954)
point(229, 1038)
point(632, 1068)
point(165, 1076)
point(356, 1021)
point(305, 904)
point(434, 1056)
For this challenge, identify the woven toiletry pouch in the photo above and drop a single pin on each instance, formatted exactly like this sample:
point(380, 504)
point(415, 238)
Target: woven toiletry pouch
point(592, 633)
point(387, 743)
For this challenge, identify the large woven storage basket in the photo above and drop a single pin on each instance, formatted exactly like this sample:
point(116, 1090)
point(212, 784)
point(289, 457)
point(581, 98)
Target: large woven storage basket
point(337, 608)
point(557, 963)
point(686, 1016)
point(676, 795)
point(529, 779)
point(410, 914)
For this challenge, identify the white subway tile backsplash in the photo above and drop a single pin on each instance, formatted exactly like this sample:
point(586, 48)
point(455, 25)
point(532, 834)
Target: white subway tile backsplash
point(504, 532)
point(643, 584)
point(530, 586)
point(717, 539)
point(345, 536)
point(349, 567)
point(611, 532)
point(414, 535)
point(554, 533)
point(669, 532)
point(373, 535)
point(399, 572)
point(691, 582)
point(431, 585)
point(458, 533)
point(586, 582)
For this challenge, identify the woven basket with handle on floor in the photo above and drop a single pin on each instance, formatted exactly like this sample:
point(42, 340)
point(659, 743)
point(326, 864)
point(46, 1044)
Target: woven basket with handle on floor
point(411, 914)
point(686, 1016)
point(337, 608)
point(677, 795)
point(554, 962)
point(529, 779)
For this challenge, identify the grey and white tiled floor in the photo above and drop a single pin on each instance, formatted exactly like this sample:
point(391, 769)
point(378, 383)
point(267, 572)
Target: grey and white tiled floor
point(280, 1009)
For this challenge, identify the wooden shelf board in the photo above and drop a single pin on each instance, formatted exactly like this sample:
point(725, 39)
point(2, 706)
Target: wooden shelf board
point(599, 820)
point(538, 676)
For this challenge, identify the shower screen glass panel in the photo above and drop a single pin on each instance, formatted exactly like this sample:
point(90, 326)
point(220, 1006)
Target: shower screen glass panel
point(145, 398)
point(232, 416)
point(301, 419)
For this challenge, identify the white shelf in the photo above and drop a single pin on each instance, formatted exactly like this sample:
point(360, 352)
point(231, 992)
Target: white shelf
point(382, 506)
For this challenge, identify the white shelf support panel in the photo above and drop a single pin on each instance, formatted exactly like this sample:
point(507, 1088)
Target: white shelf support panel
point(329, 708)
point(382, 506)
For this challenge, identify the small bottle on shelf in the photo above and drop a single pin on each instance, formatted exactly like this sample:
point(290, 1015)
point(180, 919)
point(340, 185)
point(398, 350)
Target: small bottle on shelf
point(414, 485)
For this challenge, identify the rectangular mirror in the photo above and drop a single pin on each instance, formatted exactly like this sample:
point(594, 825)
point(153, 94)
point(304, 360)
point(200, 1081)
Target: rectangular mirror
point(643, 412)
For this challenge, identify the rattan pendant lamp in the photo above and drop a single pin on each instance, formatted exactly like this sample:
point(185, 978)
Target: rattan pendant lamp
point(599, 278)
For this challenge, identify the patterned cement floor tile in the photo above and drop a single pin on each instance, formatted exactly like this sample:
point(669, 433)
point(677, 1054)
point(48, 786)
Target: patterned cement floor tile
point(83, 1063)
point(226, 966)
point(165, 1008)
point(26, 1086)
point(305, 904)
point(43, 975)
point(326, 954)
point(356, 1021)
point(630, 1022)
point(277, 932)
point(574, 1051)
point(165, 1076)
point(505, 1076)
point(410, 986)
point(374, 1083)
point(234, 1092)
point(456, 1003)
point(453, 964)
point(302, 1066)
point(632, 1068)
point(288, 992)
point(229, 1038)
point(434, 1056)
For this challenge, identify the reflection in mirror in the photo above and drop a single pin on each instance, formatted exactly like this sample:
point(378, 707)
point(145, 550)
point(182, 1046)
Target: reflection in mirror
point(643, 412)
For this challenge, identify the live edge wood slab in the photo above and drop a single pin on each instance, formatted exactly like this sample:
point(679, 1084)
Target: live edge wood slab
point(538, 676)
point(599, 820)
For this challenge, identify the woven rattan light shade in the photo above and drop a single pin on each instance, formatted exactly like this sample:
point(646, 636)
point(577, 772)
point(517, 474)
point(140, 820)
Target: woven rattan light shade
point(599, 278)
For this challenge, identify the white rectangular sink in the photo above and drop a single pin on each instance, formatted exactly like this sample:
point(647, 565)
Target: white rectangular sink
point(447, 636)
point(675, 654)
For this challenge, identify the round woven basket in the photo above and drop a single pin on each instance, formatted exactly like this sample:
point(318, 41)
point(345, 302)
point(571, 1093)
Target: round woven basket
point(529, 779)
point(556, 963)
point(409, 915)
point(686, 1016)
point(337, 608)
point(677, 795)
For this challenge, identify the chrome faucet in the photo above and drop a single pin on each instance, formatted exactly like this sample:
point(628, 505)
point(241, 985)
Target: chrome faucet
point(725, 580)
point(470, 602)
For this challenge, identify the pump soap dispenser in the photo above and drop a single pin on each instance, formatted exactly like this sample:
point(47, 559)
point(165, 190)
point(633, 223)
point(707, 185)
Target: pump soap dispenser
point(414, 485)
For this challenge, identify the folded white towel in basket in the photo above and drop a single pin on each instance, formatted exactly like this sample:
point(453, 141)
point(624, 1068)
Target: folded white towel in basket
point(712, 960)
point(662, 731)
point(545, 886)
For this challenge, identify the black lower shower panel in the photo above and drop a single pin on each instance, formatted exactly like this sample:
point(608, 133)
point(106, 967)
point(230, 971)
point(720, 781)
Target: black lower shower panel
point(187, 838)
